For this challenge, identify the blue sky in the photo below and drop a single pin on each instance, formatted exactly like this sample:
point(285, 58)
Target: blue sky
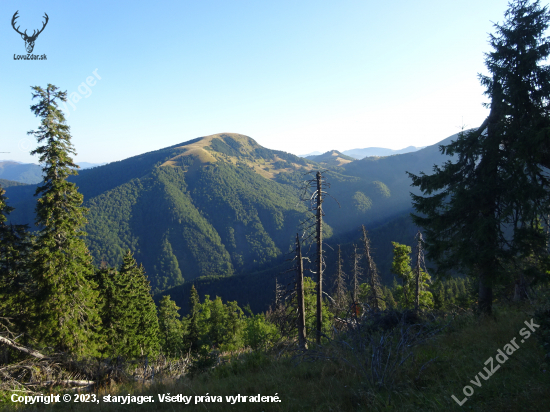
point(297, 76)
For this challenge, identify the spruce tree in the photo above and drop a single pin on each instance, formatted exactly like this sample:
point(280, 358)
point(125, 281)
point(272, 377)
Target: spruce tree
point(498, 183)
point(65, 313)
point(141, 308)
point(170, 326)
point(193, 329)
point(111, 310)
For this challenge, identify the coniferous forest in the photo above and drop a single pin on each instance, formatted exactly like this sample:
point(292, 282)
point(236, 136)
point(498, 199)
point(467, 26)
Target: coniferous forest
point(218, 268)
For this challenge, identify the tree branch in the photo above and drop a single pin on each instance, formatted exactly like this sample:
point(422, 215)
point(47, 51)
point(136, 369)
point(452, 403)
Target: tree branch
point(28, 351)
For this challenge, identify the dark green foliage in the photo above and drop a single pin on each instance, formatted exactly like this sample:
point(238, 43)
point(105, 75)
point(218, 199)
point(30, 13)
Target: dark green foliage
point(147, 330)
point(542, 318)
point(221, 325)
point(220, 146)
point(310, 306)
point(389, 299)
point(452, 293)
point(64, 299)
point(361, 202)
point(192, 321)
point(15, 282)
point(170, 327)
point(169, 273)
point(128, 312)
point(258, 332)
point(405, 293)
point(497, 184)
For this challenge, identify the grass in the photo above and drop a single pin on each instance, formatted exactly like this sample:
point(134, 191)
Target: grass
point(336, 382)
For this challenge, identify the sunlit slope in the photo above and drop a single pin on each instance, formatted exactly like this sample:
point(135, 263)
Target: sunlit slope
point(208, 208)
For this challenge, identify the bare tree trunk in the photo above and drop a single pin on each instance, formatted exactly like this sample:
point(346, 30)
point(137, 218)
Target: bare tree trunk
point(356, 270)
point(373, 279)
point(339, 284)
point(300, 296)
point(277, 293)
point(417, 272)
point(319, 257)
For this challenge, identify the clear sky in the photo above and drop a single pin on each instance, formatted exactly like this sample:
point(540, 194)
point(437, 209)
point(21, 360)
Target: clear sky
point(297, 76)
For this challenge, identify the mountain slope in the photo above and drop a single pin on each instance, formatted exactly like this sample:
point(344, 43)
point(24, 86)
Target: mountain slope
point(9, 183)
point(20, 172)
point(222, 204)
point(378, 151)
point(210, 206)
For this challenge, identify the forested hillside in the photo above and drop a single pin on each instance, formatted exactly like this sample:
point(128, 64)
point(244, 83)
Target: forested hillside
point(222, 204)
point(20, 172)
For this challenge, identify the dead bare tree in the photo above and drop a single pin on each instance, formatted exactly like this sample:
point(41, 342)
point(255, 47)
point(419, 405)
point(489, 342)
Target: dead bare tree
point(339, 285)
point(356, 275)
point(375, 292)
point(300, 295)
point(419, 268)
point(316, 204)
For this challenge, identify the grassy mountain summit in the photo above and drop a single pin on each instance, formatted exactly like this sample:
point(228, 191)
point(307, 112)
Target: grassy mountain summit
point(211, 207)
point(332, 158)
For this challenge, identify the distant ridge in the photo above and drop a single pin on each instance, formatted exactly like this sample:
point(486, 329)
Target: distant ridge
point(315, 153)
point(20, 172)
point(379, 151)
point(358, 154)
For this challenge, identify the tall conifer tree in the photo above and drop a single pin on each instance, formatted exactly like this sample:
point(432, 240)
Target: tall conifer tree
point(146, 340)
point(193, 328)
point(498, 182)
point(171, 328)
point(65, 311)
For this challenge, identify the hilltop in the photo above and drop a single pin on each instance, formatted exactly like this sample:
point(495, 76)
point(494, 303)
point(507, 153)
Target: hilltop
point(331, 158)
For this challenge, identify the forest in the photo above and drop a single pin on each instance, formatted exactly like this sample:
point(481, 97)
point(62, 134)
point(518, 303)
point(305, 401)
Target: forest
point(218, 270)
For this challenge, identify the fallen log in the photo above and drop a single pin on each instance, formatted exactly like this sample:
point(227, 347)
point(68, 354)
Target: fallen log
point(20, 348)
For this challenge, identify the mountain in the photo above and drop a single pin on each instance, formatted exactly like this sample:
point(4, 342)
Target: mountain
point(86, 165)
point(315, 153)
point(392, 223)
point(30, 173)
point(210, 206)
point(221, 205)
point(331, 158)
point(9, 183)
point(378, 151)
point(20, 172)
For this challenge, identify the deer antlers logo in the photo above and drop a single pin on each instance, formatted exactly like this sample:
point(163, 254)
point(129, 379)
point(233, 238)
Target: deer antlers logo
point(29, 40)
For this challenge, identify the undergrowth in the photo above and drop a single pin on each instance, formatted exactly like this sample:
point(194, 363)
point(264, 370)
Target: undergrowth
point(336, 376)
